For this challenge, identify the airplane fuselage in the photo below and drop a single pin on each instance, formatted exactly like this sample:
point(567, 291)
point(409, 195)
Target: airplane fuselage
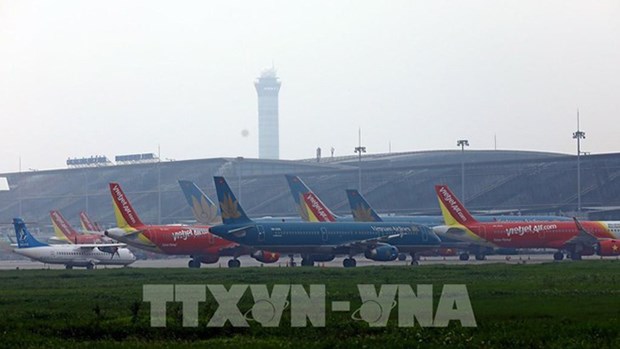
point(550, 234)
point(326, 237)
point(174, 240)
point(73, 255)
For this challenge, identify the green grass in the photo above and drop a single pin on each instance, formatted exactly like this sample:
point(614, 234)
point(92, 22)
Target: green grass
point(555, 305)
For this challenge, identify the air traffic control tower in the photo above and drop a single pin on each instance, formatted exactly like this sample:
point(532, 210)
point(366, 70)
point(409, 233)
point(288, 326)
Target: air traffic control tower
point(267, 88)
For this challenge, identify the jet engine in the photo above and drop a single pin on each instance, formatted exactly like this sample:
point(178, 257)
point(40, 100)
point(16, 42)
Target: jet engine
point(382, 253)
point(266, 257)
point(208, 258)
point(608, 248)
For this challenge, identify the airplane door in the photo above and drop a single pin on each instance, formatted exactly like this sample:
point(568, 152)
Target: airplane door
point(324, 234)
point(261, 233)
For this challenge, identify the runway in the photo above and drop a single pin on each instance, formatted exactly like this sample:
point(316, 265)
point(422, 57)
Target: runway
point(284, 262)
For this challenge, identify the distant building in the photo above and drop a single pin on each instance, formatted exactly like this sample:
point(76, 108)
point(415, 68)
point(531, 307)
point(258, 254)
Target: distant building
point(267, 88)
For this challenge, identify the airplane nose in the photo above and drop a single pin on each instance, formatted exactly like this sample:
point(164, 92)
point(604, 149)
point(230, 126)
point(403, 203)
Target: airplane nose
point(441, 229)
point(114, 232)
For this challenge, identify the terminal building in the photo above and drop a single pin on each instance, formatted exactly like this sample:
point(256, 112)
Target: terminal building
point(499, 182)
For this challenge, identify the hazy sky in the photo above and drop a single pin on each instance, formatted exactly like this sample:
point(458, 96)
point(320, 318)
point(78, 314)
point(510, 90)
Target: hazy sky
point(81, 78)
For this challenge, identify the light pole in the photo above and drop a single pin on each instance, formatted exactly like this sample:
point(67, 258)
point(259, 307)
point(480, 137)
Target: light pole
point(85, 190)
point(359, 149)
point(462, 143)
point(239, 159)
point(578, 135)
point(158, 165)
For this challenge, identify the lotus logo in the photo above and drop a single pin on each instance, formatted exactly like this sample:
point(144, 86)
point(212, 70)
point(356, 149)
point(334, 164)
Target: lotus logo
point(229, 208)
point(203, 211)
point(363, 214)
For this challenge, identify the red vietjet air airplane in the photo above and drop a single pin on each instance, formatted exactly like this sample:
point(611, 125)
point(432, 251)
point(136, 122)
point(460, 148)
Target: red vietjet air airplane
point(195, 241)
point(575, 237)
point(66, 233)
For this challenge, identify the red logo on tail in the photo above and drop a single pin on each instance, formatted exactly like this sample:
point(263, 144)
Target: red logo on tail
point(317, 207)
point(124, 206)
point(457, 210)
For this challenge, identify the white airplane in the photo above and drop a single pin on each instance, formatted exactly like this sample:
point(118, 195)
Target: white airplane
point(81, 255)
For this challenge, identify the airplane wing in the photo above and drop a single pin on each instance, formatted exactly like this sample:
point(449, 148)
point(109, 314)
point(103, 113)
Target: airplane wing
point(363, 244)
point(583, 237)
point(91, 246)
point(234, 249)
point(240, 232)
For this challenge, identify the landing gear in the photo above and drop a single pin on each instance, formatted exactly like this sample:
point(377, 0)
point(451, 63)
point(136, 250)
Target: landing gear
point(90, 266)
point(234, 263)
point(464, 256)
point(576, 256)
point(414, 259)
point(558, 256)
point(402, 257)
point(480, 256)
point(68, 267)
point(307, 263)
point(291, 263)
point(349, 262)
point(193, 263)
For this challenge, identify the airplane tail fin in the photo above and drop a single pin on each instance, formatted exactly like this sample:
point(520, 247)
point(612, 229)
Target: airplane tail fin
point(24, 238)
point(361, 210)
point(298, 188)
point(310, 207)
point(452, 209)
point(232, 212)
point(87, 223)
point(126, 216)
point(203, 208)
point(62, 228)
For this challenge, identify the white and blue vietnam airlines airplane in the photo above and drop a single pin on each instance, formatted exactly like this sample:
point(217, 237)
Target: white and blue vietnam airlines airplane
point(71, 255)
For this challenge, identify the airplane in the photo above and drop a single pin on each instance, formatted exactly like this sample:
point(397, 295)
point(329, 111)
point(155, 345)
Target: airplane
point(576, 237)
point(66, 233)
point(377, 241)
point(80, 255)
point(195, 241)
point(311, 208)
point(88, 225)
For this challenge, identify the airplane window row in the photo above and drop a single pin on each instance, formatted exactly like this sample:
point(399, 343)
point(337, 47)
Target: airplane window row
point(331, 233)
point(81, 253)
